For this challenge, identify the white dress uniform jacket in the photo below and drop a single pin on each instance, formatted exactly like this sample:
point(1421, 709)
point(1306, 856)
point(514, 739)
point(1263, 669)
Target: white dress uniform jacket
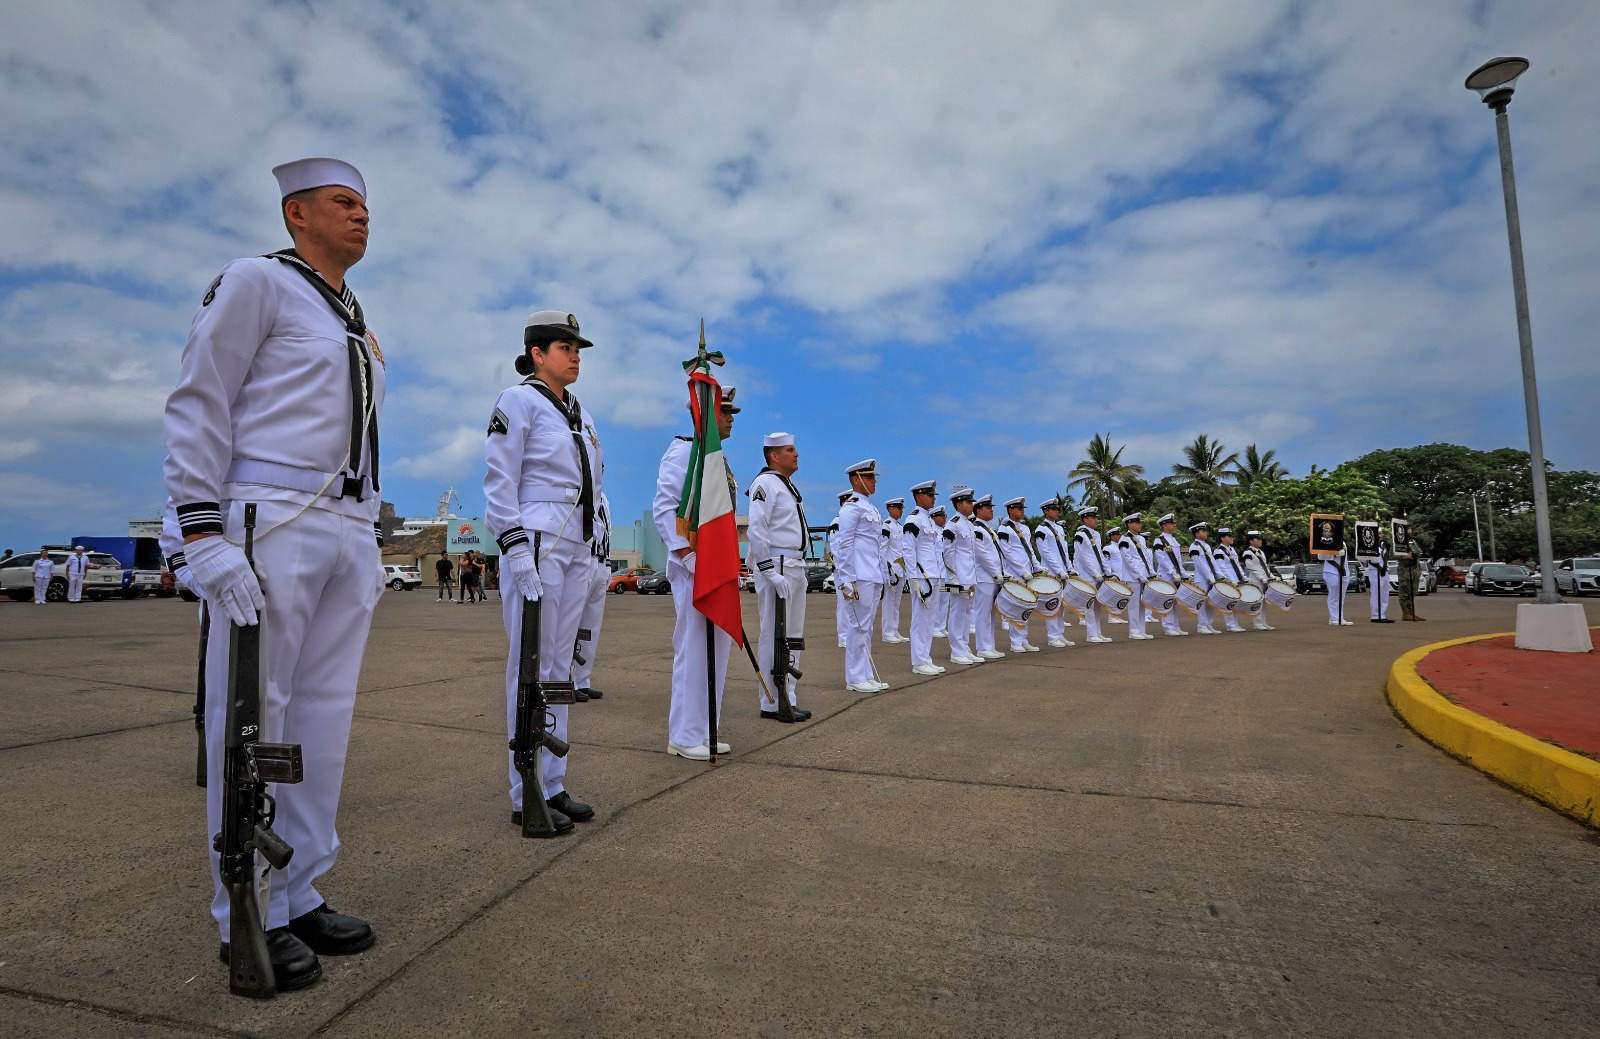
point(895, 571)
point(1050, 546)
point(1167, 552)
point(961, 560)
point(1088, 554)
point(858, 561)
point(1256, 570)
point(925, 568)
point(1015, 554)
point(987, 550)
point(777, 537)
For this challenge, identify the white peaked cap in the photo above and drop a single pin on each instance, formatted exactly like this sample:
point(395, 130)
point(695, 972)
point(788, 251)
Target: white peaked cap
point(896, 501)
point(961, 490)
point(1020, 501)
point(305, 174)
point(866, 465)
point(925, 487)
point(845, 494)
point(987, 499)
point(937, 510)
point(778, 440)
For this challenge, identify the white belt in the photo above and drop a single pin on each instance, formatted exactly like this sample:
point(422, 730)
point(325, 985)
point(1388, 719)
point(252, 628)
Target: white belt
point(540, 492)
point(294, 478)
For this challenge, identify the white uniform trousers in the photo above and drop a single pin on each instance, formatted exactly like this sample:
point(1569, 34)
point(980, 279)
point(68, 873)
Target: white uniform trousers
point(1378, 593)
point(566, 573)
point(688, 723)
point(922, 616)
point(588, 637)
point(1230, 619)
point(793, 575)
point(860, 612)
point(74, 588)
point(1136, 618)
point(1093, 617)
point(1258, 620)
point(318, 572)
point(1056, 627)
point(1336, 592)
point(841, 623)
point(892, 596)
point(960, 623)
point(983, 616)
point(941, 611)
point(1171, 620)
point(41, 589)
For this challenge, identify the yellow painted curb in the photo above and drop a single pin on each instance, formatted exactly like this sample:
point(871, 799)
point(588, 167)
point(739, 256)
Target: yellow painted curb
point(1567, 782)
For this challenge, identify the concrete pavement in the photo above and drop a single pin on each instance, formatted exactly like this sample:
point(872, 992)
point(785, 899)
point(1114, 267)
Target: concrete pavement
point(1206, 836)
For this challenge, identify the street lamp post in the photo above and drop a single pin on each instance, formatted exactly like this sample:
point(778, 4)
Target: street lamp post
point(1495, 81)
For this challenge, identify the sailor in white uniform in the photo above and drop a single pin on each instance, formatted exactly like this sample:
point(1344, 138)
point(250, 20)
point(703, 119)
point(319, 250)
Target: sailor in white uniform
point(841, 621)
point(925, 565)
point(1112, 551)
point(1050, 549)
point(858, 580)
point(1257, 572)
point(942, 588)
point(894, 568)
point(987, 544)
point(1088, 560)
point(688, 724)
point(1168, 553)
point(1228, 568)
point(1378, 580)
point(1017, 562)
point(1138, 566)
point(1202, 557)
point(962, 556)
point(541, 488)
point(777, 538)
point(277, 402)
point(42, 570)
point(77, 566)
point(1335, 577)
point(594, 607)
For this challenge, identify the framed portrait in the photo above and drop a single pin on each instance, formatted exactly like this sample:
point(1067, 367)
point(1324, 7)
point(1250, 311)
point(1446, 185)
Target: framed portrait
point(1326, 536)
point(1399, 534)
point(1367, 541)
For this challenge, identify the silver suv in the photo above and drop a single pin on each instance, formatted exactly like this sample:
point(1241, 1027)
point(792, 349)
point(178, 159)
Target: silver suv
point(101, 580)
point(1578, 576)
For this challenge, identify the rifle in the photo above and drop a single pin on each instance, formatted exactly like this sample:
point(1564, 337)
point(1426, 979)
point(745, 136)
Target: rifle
point(535, 726)
point(200, 699)
point(782, 664)
point(248, 765)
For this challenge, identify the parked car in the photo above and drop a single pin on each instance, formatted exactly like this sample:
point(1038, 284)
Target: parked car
point(400, 577)
point(101, 580)
point(1284, 572)
point(747, 579)
point(1470, 583)
point(816, 574)
point(1308, 579)
point(828, 585)
point(628, 580)
point(1578, 576)
point(1453, 576)
point(653, 584)
point(1394, 579)
point(1503, 579)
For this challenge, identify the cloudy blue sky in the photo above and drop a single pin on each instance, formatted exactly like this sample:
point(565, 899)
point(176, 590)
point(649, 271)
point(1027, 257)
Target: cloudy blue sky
point(960, 240)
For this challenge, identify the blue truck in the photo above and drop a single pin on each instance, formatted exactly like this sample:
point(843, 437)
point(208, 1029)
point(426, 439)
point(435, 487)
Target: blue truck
point(143, 569)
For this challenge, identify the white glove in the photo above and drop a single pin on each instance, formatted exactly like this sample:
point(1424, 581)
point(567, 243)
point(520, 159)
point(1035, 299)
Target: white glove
point(225, 579)
point(769, 579)
point(848, 590)
point(383, 578)
point(524, 572)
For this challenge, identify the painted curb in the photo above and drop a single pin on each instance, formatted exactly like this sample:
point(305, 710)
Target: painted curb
point(1567, 782)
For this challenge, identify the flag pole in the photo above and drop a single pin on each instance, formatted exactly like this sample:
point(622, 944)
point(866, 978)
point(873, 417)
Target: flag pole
point(706, 416)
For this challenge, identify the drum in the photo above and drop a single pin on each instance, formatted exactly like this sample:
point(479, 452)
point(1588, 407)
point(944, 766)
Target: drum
point(1015, 603)
point(1280, 594)
point(1160, 595)
point(1114, 594)
point(1078, 592)
point(1223, 594)
point(1048, 589)
point(1250, 599)
point(1190, 596)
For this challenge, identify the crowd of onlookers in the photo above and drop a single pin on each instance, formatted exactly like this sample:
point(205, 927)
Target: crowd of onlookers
point(472, 575)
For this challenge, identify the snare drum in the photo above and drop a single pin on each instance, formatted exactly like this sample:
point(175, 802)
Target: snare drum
point(1048, 589)
point(1078, 592)
point(1223, 594)
point(1114, 594)
point(1250, 598)
point(1015, 603)
point(1191, 596)
point(1280, 594)
point(1160, 595)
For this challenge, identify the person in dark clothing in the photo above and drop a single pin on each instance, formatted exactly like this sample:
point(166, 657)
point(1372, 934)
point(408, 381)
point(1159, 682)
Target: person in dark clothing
point(443, 568)
point(469, 579)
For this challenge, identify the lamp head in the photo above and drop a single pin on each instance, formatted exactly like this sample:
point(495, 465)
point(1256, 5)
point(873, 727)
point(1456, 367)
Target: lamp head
point(1495, 80)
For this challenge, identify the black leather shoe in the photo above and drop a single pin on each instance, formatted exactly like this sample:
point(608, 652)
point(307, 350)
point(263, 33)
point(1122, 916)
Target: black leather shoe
point(593, 694)
point(332, 934)
point(294, 965)
point(577, 811)
point(800, 715)
point(563, 823)
point(580, 696)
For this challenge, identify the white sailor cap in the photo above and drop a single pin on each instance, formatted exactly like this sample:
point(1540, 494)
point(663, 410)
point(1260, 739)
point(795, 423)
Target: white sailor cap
point(548, 326)
point(925, 487)
point(1133, 517)
point(987, 499)
point(1114, 531)
point(1089, 510)
point(960, 491)
point(305, 174)
point(1253, 534)
point(778, 440)
point(1019, 502)
point(1168, 518)
point(843, 495)
point(1051, 503)
point(937, 510)
point(893, 502)
point(1224, 531)
point(866, 465)
point(1199, 526)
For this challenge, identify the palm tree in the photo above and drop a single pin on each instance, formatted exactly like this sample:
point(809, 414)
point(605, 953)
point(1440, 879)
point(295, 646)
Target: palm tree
point(1204, 463)
point(1102, 475)
point(1258, 467)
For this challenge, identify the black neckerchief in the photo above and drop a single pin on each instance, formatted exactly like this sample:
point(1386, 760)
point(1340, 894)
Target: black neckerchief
point(1148, 561)
point(572, 412)
point(1167, 544)
point(347, 309)
point(1027, 549)
point(792, 490)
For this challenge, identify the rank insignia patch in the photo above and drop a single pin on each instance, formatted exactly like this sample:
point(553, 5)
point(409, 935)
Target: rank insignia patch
point(498, 423)
point(760, 495)
point(211, 293)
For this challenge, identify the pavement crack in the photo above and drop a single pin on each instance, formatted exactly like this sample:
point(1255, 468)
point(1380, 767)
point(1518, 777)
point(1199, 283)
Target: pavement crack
point(187, 719)
point(118, 1014)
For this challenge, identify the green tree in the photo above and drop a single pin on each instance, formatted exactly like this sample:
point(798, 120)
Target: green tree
point(1206, 463)
point(1102, 475)
point(1281, 509)
point(1258, 466)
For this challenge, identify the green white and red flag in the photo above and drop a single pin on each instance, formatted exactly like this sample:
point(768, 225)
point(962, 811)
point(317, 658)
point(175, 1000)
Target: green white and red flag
point(705, 511)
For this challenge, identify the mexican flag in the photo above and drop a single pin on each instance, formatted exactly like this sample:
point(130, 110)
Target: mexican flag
point(705, 513)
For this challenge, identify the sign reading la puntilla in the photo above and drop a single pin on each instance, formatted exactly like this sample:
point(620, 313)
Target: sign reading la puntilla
point(470, 535)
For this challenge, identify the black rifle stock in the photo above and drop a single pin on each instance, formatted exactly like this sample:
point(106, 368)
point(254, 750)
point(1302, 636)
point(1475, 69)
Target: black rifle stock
point(247, 809)
point(534, 728)
point(782, 663)
point(200, 699)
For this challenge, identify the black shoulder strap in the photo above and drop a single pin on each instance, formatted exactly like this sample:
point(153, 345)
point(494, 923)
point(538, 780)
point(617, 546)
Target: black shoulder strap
point(572, 412)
